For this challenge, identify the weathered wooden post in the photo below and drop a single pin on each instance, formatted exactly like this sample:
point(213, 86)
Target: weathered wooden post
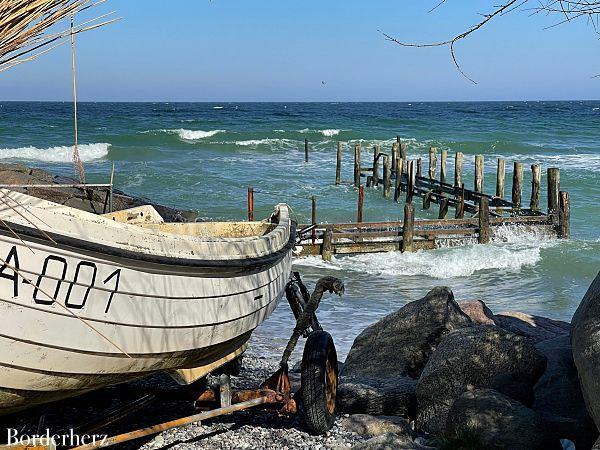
point(443, 208)
point(564, 215)
point(361, 196)
point(305, 150)
point(327, 246)
point(419, 167)
point(403, 154)
point(536, 180)
point(427, 199)
point(484, 220)
point(517, 187)
point(479, 173)
point(376, 152)
point(458, 163)
point(553, 189)
point(111, 188)
point(500, 177)
point(460, 209)
point(313, 208)
point(443, 173)
point(338, 166)
point(410, 185)
point(432, 162)
point(398, 180)
point(408, 227)
point(387, 177)
point(250, 204)
point(394, 155)
point(357, 165)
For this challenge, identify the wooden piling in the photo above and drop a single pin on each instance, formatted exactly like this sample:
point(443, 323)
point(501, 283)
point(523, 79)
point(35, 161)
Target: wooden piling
point(398, 180)
point(419, 167)
point(553, 190)
point(376, 152)
point(394, 156)
point(500, 178)
point(305, 150)
point(443, 173)
point(517, 186)
point(357, 165)
point(460, 208)
point(387, 177)
point(443, 208)
point(313, 210)
point(564, 215)
point(410, 185)
point(369, 181)
point(536, 180)
point(427, 199)
point(432, 163)
point(402, 149)
point(361, 196)
point(408, 227)
point(478, 173)
point(458, 163)
point(338, 166)
point(250, 204)
point(327, 246)
point(484, 220)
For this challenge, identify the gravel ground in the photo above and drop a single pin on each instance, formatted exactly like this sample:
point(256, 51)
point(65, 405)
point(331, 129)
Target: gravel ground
point(252, 429)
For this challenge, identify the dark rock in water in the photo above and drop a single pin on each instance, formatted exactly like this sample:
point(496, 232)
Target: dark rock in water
point(471, 358)
point(394, 396)
point(367, 425)
point(401, 342)
point(534, 328)
point(558, 397)
point(585, 339)
point(94, 200)
point(389, 441)
point(487, 419)
point(478, 312)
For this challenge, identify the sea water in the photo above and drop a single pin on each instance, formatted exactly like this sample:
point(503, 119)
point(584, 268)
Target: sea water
point(203, 156)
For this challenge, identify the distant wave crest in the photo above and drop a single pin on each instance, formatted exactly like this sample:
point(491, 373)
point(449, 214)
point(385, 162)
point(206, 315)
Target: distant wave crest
point(187, 135)
point(87, 152)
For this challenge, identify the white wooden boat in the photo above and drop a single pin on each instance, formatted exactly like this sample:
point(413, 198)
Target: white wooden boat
point(106, 301)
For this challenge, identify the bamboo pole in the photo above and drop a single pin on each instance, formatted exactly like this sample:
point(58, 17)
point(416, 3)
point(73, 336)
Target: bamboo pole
point(338, 165)
point(500, 178)
point(536, 180)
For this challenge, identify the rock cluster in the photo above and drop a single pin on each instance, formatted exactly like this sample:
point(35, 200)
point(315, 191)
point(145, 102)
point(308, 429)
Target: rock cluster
point(468, 378)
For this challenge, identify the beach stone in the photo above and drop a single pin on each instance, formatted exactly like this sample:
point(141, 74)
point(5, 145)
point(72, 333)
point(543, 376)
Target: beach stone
point(487, 419)
point(585, 339)
point(558, 396)
point(478, 312)
point(367, 425)
point(471, 358)
point(394, 395)
point(534, 328)
point(402, 342)
point(389, 441)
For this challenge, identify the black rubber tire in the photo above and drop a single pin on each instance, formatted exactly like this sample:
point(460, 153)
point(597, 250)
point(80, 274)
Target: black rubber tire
point(319, 374)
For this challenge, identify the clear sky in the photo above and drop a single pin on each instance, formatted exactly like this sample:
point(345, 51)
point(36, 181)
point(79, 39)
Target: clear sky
point(274, 50)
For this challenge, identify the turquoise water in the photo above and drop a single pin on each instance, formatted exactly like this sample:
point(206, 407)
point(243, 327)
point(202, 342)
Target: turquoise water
point(204, 156)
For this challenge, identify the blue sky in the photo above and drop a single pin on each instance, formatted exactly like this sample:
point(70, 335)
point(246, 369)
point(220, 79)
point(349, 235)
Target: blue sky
point(274, 50)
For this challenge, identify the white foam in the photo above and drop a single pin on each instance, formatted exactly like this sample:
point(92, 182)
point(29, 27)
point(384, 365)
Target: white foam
point(87, 152)
point(512, 250)
point(194, 135)
point(330, 132)
point(271, 142)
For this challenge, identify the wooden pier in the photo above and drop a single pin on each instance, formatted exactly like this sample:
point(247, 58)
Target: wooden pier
point(403, 180)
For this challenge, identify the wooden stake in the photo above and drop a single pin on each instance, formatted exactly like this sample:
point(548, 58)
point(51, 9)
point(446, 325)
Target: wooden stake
point(357, 165)
point(460, 208)
point(443, 173)
point(361, 196)
point(327, 247)
point(338, 166)
point(398, 181)
point(419, 167)
point(305, 150)
point(403, 154)
point(408, 227)
point(500, 178)
point(410, 185)
point(432, 163)
point(250, 204)
point(443, 208)
point(110, 192)
point(313, 207)
point(458, 163)
point(479, 173)
point(394, 156)
point(484, 220)
point(536, 180)
point(553, 190)
point(427, 199)
point(376, 152)
point(387, 177)
point(517, 187)
point(564, 216)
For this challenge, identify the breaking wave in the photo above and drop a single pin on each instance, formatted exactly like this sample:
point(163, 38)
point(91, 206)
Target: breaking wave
point(187, 135)
point(87, 152)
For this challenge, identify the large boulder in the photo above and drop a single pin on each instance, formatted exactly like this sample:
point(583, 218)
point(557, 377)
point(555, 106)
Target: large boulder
point(487, 419)
point(558, 397)
point(401, 342)
point(534, 328)
point(394, 396)
point(585, 339)
point(471, 358)
point(478, 312)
